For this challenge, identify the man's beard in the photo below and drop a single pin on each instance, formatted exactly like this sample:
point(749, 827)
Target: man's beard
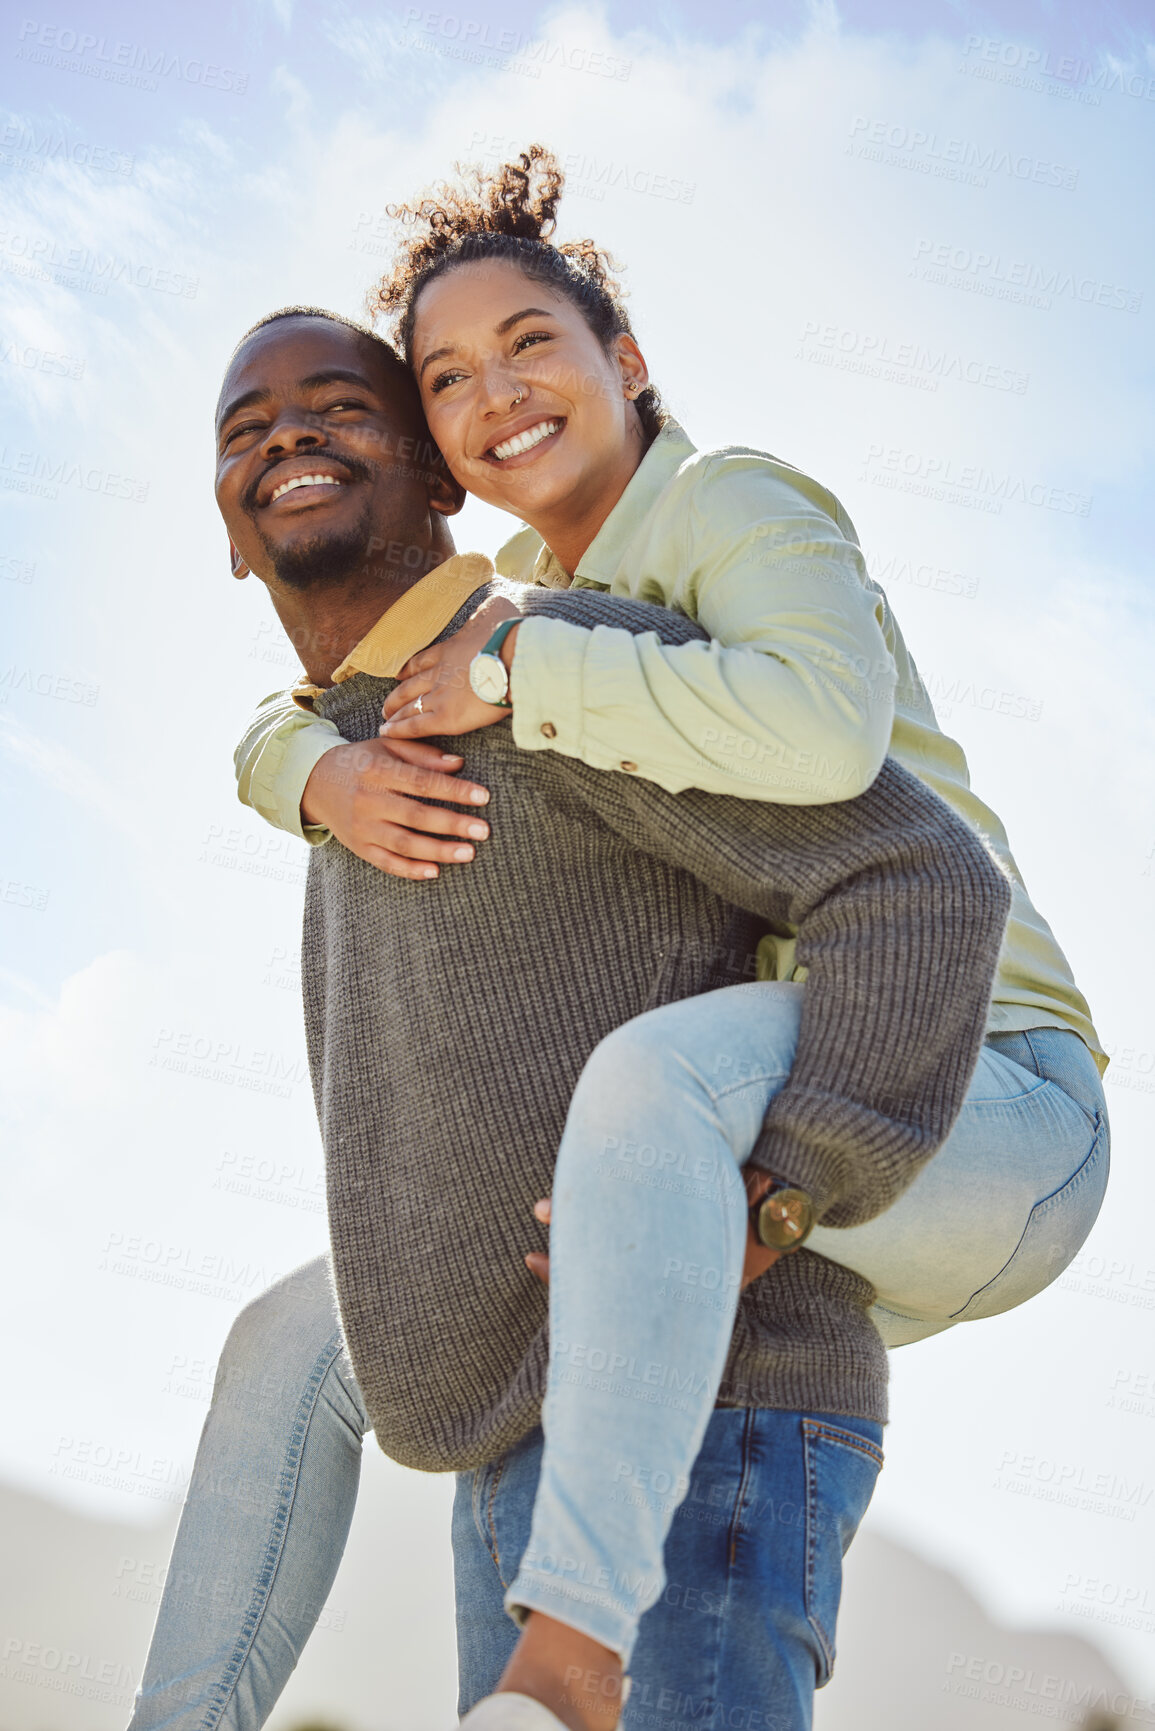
point(322, 558)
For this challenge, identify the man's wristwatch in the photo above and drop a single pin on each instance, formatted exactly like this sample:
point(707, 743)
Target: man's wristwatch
point(488, 674)
point(782, 1219)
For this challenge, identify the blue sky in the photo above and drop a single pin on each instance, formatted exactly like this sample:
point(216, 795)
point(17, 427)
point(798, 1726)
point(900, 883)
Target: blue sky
point(891, 244)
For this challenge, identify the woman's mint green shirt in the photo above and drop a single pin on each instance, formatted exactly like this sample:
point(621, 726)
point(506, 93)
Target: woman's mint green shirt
point(805, 686)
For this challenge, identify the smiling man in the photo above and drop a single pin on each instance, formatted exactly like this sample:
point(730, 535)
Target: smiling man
point(448, 1024)
point(331, 560)
point(387, 473)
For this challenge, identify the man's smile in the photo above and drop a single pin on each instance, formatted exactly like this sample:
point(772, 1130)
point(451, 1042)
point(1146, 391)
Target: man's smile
point(305, 480)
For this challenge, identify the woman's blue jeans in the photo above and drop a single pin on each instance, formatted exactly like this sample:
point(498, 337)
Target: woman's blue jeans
point(587, 1526)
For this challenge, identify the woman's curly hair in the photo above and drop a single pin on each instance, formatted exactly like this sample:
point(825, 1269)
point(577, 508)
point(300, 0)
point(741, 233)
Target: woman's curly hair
point(507, 214)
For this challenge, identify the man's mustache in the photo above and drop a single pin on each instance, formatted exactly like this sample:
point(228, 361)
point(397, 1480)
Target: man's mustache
point(353, 470)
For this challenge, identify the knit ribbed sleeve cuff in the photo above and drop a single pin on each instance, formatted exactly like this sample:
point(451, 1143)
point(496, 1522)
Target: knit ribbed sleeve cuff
point(824, 1144)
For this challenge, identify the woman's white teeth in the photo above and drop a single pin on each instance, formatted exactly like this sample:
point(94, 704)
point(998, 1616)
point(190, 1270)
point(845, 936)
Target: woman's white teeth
point(306, 481)
point(525, 441)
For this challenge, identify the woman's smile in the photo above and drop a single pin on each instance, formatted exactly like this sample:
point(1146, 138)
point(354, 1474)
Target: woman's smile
point(526, 444)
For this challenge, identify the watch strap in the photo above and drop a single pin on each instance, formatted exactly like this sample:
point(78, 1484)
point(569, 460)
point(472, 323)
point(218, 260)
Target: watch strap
point(489, 659)
point(493, 646)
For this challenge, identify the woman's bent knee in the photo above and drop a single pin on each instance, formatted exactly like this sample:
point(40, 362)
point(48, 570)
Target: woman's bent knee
point(704, 1044)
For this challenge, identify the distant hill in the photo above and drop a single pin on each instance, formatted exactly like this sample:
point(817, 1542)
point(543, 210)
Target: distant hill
point(78, 1600)
point(78, 1597)
point(917, 1652)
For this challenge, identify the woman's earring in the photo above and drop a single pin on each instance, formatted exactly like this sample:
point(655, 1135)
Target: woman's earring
point(632, 386)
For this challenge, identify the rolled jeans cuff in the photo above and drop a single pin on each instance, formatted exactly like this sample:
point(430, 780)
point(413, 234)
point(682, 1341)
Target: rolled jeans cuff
point(591, 1609)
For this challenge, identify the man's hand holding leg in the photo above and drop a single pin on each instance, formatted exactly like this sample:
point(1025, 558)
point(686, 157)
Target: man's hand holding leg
point(758, 1256)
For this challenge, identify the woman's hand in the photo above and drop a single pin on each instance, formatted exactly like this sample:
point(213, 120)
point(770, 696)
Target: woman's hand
point(369, 796)
point(434, 695)
point(758, 1257)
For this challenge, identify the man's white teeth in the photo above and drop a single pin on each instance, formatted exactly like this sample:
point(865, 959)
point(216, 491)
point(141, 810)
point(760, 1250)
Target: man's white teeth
point(525, 441)
point(305, 481)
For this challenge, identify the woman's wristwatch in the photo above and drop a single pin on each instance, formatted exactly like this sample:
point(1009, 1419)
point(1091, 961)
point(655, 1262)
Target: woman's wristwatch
point(488, 674)
point(783, 1218)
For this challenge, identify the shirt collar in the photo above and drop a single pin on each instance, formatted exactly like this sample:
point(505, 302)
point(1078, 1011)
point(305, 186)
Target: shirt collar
point(652, 476)
point(412, 623)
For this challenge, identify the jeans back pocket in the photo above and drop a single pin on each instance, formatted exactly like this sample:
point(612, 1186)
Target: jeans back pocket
point(842, 1468)
point(1055, 1233)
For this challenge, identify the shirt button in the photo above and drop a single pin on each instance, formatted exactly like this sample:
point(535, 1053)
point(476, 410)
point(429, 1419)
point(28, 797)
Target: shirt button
point(631, 767)
point(548, 728)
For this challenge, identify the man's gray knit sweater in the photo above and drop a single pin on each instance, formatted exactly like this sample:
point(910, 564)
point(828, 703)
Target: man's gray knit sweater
point(448, 1023)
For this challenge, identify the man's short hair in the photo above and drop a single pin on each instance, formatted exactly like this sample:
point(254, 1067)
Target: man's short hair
point(302, 312)
point(398, 372)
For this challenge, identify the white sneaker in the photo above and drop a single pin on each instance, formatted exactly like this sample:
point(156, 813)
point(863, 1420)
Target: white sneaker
point(511, 1713)
point(518, 1713)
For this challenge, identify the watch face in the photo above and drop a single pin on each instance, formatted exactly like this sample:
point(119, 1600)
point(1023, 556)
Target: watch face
point(785, 1218)
point(488, 677)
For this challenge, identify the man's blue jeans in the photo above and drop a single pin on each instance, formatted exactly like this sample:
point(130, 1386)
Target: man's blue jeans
point(746, 1617)
point(996, 1215)
point(743, 1631)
